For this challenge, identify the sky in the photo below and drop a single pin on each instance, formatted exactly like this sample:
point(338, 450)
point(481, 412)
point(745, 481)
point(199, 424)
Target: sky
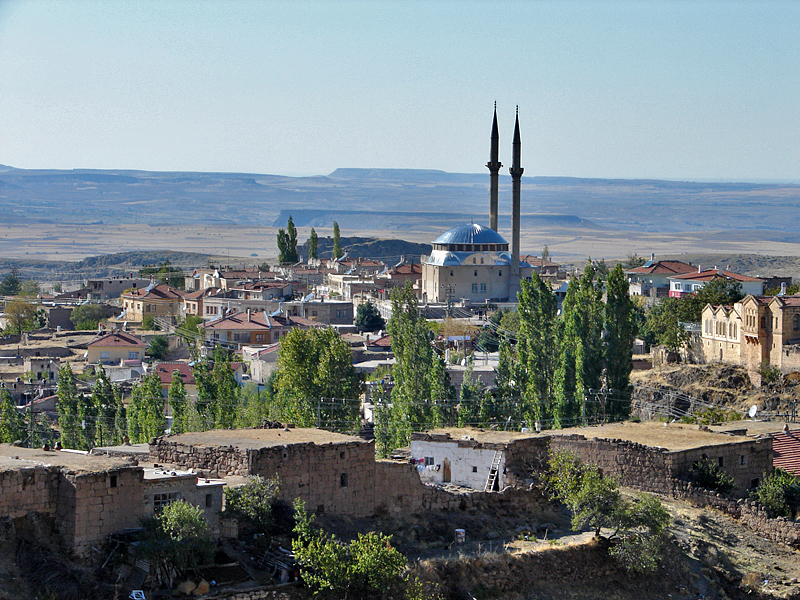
point(671, 90)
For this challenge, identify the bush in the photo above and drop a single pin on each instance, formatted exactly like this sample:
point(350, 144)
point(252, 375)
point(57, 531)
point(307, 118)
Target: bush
point(709, 475)
point(176, 539)
point(159, 347)
point(252, 502)
point(778, 493)
point(366, 568)
point(769, 373)
point(595, 501)
point(149, 323)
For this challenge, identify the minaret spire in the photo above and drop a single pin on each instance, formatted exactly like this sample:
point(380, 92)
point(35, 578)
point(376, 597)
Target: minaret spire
point(494, 165)
point(516, 184)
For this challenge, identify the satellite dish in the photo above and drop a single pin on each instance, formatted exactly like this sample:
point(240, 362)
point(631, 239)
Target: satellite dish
point(753, 411)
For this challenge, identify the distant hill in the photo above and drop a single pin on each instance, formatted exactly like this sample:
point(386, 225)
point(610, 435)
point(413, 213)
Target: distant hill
point(388, 251)
point(388, 199)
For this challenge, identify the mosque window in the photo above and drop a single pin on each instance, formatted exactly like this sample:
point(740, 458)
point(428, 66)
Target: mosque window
point(451, 272)
point(481, 260)
point(483, 287)
point(474, 287)
point(476, 272)
point(500, 272)
point(474, 260)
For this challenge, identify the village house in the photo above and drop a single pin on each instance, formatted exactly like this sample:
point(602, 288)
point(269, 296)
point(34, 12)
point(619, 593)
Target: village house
point(113, 287)
point(689, 283)
point(246, 327)
point(156, 300)
point(328, 312)
point(256, 296)
point(90, 496)
point(43, 369)
point(115, 348)
point(192, 302)
point(402, 272)
point(652, 278)
point(261, 361)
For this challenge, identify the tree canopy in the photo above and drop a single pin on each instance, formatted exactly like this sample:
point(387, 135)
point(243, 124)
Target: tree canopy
point(368, 318)
point(337, 241)
point(287, 244)
point(313, 244)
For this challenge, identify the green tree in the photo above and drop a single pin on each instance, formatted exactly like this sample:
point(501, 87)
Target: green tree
point(287, 244)
point(29, 289)
point(636, 528)
point(11, 284)
point(20, 316)
point(146, 418)
point(226, 395)
point(12, 423)
point(87, 316)
point(366, 568)
point(419, 373)
point(620, 331)
point(176, 539)
point(313, 244)
point(662, 325)
point(177, 401)
point(68, 421)
point(337, 242)
point(105, 403)
point(469, 398)
point(159, 347)
point(252, 502)
point(368, 318)
point(87, 420)
point(206, 394)
point(314, 364)
point(778, 493)
point(536, 347)
point(632, 261)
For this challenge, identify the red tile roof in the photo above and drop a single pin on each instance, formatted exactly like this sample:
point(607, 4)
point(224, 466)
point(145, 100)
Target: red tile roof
point(710, 274)
point(165, 370)
point(786, 451)
point(156, 292)
point(408, 269)
point(663, 267)
point(536, 261)
point(118, 340)
point(247, 322)
point(202, 293)
point(789, 300)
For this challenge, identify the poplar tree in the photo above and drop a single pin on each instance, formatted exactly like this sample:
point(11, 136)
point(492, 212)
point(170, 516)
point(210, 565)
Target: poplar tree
point(105, 405)
point(177, 401)
point(68, 421)
point(418, 372)
point(620, 331)
point(226, 395)
point(537, 347)
point(148, 413)
point(337, 242)
point(287, 244)
point(12, 423)
point(206, 394)
point(313, 244)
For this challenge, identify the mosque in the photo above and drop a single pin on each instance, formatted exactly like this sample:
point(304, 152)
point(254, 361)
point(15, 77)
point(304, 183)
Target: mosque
point(473, 262)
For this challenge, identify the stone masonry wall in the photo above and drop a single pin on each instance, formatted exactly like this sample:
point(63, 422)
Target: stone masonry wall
point(330, 477)
point(89, 508)
point(28, 490)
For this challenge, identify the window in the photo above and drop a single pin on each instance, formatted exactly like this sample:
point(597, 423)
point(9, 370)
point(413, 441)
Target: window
point(481, 260)
point(260, 337)
point(678, 287)
point(451, 272)
point(474, 288)
point(500, 273)
point(483, 287)
point(796, 322)
point(133, 355)
point(209, 500)
point(161, 500)
point(428, 460)
point(474, 469)
point(343, 480)
point(474, 260)
point(721, 461)
point(104, 355)
point(475, 272)
point(112, 481)
point(743, 460)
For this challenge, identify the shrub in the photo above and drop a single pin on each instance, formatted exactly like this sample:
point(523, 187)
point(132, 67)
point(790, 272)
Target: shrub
point(366, 568)
point(595, 501)
point(252, 502)
point(778, 493)
point(149, 323)
point(709, 475)
point(769, 373)
point(176, 539)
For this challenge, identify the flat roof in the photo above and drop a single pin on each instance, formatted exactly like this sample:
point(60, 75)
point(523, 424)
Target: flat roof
point(672, 436)
point(13, 458)
point(245, 439)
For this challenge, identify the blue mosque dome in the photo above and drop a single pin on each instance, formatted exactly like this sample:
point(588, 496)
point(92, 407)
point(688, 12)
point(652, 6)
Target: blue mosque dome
point(470, 234)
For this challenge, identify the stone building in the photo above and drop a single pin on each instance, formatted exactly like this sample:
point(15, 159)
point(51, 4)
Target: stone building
point(756, 331)
point(647, 456)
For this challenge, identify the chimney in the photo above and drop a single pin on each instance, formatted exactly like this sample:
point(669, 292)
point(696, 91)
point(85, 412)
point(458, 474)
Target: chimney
point(248, 315)
point(516, 171)
point(652, 257)
point(699, 269)
point(783, 289)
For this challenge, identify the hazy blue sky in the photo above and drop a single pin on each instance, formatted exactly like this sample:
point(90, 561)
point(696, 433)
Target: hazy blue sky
point(678, 90)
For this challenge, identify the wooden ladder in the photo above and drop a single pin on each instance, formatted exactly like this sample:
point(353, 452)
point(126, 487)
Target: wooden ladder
point(492, 477)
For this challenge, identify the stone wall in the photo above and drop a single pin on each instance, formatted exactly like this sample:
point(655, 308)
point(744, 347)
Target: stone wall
point(92, 506)
point(29, 490)
point(330, 477)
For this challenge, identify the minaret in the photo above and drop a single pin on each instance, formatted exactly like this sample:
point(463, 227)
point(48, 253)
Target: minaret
point(516, 183)
point(494, 165)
